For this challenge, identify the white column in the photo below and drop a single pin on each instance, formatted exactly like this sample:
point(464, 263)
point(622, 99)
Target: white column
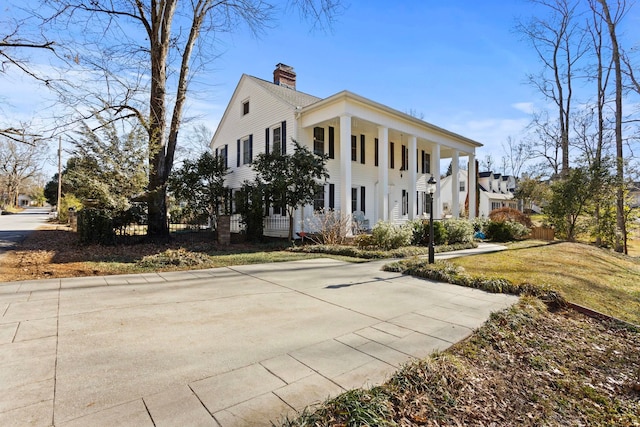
point(455, 185)
point(473, 184)
point(345, 169)
point(435, 171)
point(383, 174)
point(413, 176)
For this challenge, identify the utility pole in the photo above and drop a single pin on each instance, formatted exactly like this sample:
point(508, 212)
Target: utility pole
point(59, 176)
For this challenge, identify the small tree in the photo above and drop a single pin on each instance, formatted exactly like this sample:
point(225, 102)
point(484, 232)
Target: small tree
point(569, 199)
point(291, 178)
point(108, 167)
point(200, 184)
point(250, 205)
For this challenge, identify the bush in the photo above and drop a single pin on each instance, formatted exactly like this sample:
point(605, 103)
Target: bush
point(328, 227)
point(420, 229)
point(510, 214)
point(505, 231)
point(480, 224)
point(458, 231)
point(388, 236)
point(68, 201)
point(96, 226)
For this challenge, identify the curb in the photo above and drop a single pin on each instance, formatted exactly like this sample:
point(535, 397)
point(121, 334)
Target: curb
point(600, 316)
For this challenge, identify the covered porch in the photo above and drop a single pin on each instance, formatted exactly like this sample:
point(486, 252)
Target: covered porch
point(380, 159)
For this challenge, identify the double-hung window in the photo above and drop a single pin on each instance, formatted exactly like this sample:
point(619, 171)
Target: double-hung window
point(247, 151)
point(318, 198)
point(318, 141)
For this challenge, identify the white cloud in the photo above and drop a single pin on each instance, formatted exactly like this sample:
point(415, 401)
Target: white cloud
point(525, 107)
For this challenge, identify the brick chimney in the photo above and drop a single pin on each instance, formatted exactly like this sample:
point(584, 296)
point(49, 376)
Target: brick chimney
point(284, 75)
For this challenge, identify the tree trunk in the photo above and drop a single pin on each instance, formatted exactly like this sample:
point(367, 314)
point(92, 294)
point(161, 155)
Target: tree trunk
point(160, 35)
point(621, 235)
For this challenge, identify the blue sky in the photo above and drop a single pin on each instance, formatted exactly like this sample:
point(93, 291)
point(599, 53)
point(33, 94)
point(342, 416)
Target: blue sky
point(459, 63)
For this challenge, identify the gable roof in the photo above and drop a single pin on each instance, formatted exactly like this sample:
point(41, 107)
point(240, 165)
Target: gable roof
point(288, 95)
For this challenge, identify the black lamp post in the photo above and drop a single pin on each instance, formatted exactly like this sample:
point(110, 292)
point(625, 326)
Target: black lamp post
point(431, 188)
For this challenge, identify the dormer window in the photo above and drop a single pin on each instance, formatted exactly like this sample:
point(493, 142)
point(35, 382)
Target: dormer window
point(245, 107)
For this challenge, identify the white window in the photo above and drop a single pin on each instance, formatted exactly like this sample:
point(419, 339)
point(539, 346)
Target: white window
point(245, 107)
point(463, 186)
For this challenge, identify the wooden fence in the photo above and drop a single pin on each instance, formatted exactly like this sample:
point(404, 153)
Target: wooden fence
point(542, 233)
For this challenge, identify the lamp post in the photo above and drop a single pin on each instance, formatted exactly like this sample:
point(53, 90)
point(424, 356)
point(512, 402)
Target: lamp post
point(431, 188)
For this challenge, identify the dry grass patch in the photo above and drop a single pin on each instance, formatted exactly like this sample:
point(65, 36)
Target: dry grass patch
point(583, 274)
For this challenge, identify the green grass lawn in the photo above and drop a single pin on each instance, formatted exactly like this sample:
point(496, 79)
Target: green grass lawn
point(585, 275)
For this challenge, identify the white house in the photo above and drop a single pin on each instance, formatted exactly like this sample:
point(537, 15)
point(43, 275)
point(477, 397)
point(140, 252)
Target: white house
point(495, 191)
point(379, 158)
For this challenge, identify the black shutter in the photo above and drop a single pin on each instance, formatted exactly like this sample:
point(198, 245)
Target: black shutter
point(332, 143)
point(332, 196)
point(238, 153)
point(417, 170)
point(226, 156)
point(283, 137)
point(362, 199)
point(391, 155)
point(403, 158)
point(216, 152)
point(250, 148)
point(422, 162)
point(375, 159)
point(267, 131)
point(354, 148)
point(362, 149)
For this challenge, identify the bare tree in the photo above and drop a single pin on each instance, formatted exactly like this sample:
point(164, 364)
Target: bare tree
point(20, 162)
point(153, 49)
point(612, 22)
point(558, 41)
point(546, 143)
point(517, 154)
point(16, 39)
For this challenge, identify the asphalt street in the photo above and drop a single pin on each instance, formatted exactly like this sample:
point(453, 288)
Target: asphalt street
point(15, 228)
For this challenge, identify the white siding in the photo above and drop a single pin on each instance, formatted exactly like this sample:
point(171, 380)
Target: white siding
point(265, 110)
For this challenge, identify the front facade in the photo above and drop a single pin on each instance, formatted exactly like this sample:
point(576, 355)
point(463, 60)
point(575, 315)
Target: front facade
point(380, 159)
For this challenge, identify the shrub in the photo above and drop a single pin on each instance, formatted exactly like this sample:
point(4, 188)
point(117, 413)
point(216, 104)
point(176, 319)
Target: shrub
point(174, 257)
point(505, 231)
point(329, 227)
point(68, 201)
point(510, 214)
point(420, 229)
point(388, 236)
point(365, 241)
point(479, 224)
point(458, 231)
point(96, 226)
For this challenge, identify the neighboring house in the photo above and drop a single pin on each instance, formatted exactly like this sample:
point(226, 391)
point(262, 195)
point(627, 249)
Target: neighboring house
point(24, 200)
point(495, 191)
point(379, 158)
point(634, 195)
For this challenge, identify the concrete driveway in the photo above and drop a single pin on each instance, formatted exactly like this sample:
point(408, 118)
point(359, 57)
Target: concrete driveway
point(235, 346)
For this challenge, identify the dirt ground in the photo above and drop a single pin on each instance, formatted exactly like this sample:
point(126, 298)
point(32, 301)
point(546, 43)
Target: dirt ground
point(53, 251)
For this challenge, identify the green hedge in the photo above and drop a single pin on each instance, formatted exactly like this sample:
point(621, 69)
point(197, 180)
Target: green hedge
point(96, 226)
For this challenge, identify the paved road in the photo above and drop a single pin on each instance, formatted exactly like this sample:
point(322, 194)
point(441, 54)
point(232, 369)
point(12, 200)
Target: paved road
point(224, 347)
point(15, 228)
